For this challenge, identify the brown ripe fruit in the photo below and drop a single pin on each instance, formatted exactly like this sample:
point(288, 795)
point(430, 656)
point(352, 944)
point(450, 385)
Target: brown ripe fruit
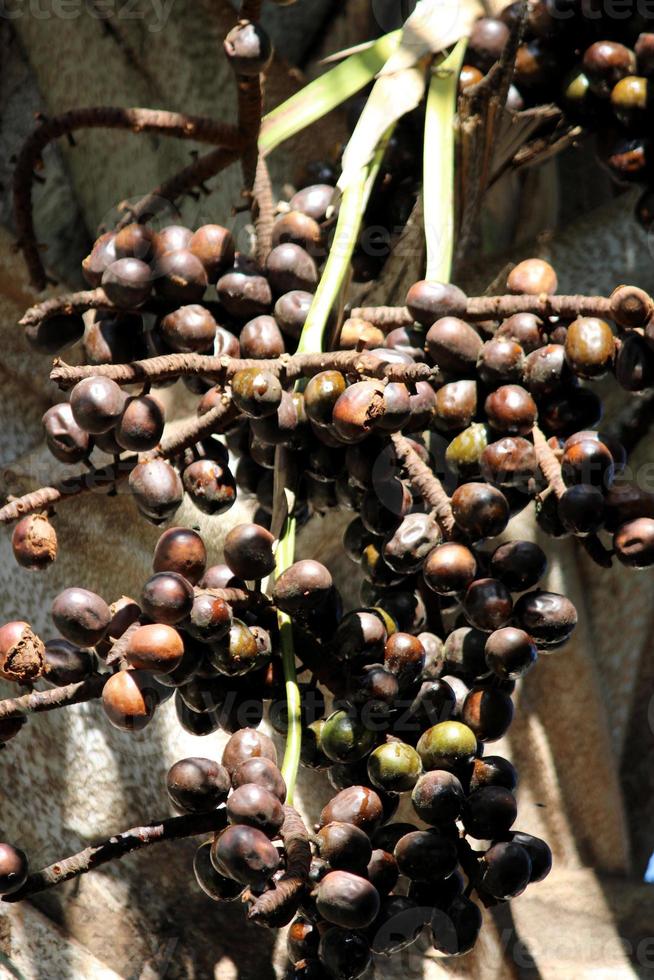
point(141, 425)
point(261, 338)
point(525, 328)
point(532, 277)
point(481, 510)
point(127, 283)
point(404, 657)
point(197, 785)
point(589, 347)
point(248, 551)
point(100, 258)
point(455, 405)
point(358, 409)
point(210, 485)
point(246, 855)
point(134, 242)
point(263, 772)
point(81, 616)
point(66, 663)
point(214, 246)
point(67, 441)
point(488, 713)
point(449, 569)
point(298, 229)
point(469, 76)
point(172, 238)
point(247, 743)
point(181, 550)
point(181, 277)
point(257, 807)
point(189, 329)
point(453, 345)
point(157, 489)
point(291, 267)
point(303, 587)
point(129, 700)
point(97, 404)
point(34, 542)
point(511, 409)
point(359, 334)
point(291, 311)
point(155, 647)
point(22, 653)
point(244, 292)
point(488, 37)
point(358, 805)
point(347, 900)
point(167, 598)
point(634, 543)
point(13, 869)
point(428, 301)
point(313, 200)
point(604, 63)
point(487, 604)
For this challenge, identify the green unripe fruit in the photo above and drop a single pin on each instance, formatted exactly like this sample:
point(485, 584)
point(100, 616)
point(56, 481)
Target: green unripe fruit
point(344, 737)
point(394, 767)
point(448, 745)
point(463, 455)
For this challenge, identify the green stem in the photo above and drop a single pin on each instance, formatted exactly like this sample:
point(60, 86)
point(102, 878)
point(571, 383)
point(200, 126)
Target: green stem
point(352, 207)
point(438, 164)
point(325, 93)
point(285, 557)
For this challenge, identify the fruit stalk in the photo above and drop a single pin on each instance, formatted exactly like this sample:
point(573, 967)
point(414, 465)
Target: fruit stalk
point(116, 846)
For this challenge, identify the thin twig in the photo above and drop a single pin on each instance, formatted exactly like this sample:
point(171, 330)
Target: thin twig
point(58, 697)
point(263, 211)
point(195, 430)
point(84, 482)
point(97, 299)
point(276, 908)
point(203, 168)
point(289, 367)
point(548, 462)
point(493, 308)
point(118, 651)
point(425, 482)
point(174, 828)
point(179, 125)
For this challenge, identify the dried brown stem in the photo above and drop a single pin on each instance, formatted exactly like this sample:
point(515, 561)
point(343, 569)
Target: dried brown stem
point(263, 211)
point(425, 482)
point(276, 908)
point(203, 168)
point(84, 482)
point(67, 303)
point(494, 308)
point(174, 828)
point(289, 367)
point(548, 462)
point(179, 125)
point(118, 651)
point(58, 697)
point(97, 299)
point(195, 430)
